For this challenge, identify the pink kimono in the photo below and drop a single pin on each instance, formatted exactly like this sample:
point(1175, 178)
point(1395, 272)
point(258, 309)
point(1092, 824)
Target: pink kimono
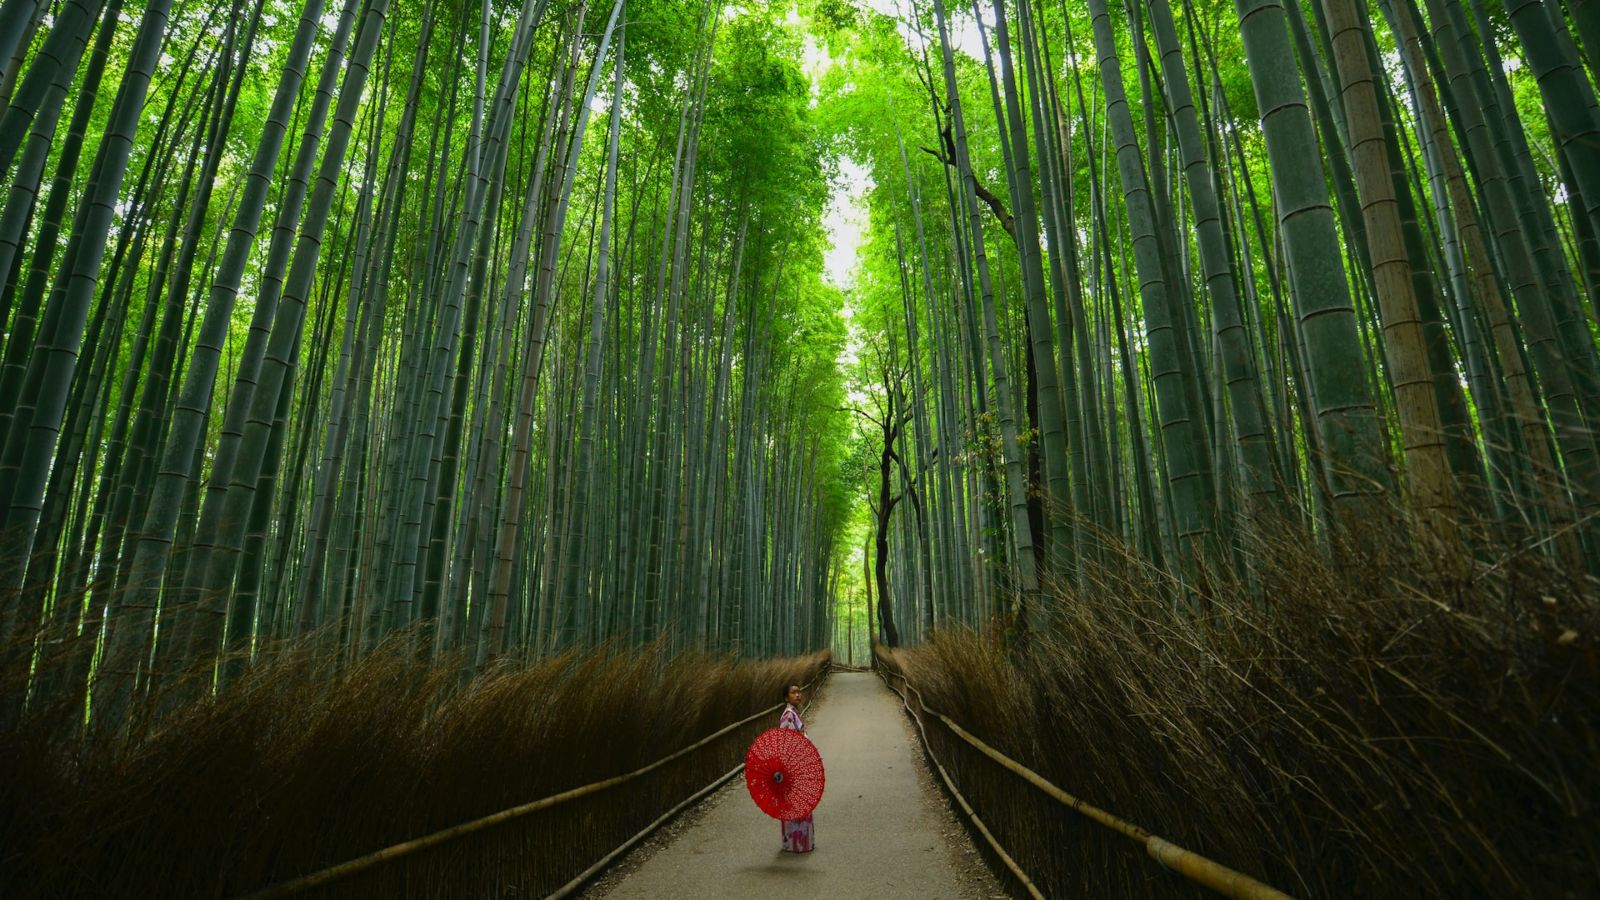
point(797, 835)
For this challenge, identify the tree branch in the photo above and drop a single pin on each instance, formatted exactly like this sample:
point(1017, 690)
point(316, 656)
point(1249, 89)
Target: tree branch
point(995, 204)
point(860, 412)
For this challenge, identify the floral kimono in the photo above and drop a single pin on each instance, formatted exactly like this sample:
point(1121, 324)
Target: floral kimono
point(797, 835)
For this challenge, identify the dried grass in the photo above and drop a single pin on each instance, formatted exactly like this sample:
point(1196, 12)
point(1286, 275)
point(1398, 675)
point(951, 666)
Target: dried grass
point(1381, 729)
point(293, 769)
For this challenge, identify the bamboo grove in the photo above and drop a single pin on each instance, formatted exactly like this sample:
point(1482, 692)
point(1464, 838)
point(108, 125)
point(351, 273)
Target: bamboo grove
point(1150, 287)
point(498, 329)
point(490, 328)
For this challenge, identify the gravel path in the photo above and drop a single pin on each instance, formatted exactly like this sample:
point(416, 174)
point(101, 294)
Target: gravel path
point(882, 830)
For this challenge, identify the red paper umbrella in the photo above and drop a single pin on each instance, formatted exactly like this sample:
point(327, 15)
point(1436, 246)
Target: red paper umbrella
point(784, 774)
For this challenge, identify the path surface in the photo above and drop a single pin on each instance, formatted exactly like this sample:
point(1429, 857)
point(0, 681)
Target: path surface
point(881, 830)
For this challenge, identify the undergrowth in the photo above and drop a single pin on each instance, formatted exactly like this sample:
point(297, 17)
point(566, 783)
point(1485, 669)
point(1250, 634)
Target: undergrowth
point(291, 769)
point(1381, 728)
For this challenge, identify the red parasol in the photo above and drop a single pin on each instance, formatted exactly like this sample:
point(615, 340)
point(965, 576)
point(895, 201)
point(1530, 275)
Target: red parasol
point(784, 774)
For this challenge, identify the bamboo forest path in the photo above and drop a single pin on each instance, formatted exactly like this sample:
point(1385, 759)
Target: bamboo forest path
point(882, 828)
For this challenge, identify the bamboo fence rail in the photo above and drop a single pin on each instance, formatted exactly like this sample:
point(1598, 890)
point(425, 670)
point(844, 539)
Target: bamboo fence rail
point(397, 851)
point(994, 843)
point(1202, 871)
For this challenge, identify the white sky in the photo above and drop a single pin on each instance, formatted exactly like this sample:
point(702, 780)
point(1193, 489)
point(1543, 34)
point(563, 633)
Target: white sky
point(846, 221)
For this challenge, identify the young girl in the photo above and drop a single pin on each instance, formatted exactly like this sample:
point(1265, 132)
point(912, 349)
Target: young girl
point(797, 835)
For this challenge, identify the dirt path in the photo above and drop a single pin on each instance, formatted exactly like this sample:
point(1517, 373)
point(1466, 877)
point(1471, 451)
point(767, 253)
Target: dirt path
point(882, 829)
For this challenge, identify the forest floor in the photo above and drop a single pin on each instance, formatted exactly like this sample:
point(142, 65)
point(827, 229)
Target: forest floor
point(882, 830)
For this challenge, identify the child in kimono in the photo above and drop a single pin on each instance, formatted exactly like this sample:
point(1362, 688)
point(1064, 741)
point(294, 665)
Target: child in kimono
point(797, 835)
